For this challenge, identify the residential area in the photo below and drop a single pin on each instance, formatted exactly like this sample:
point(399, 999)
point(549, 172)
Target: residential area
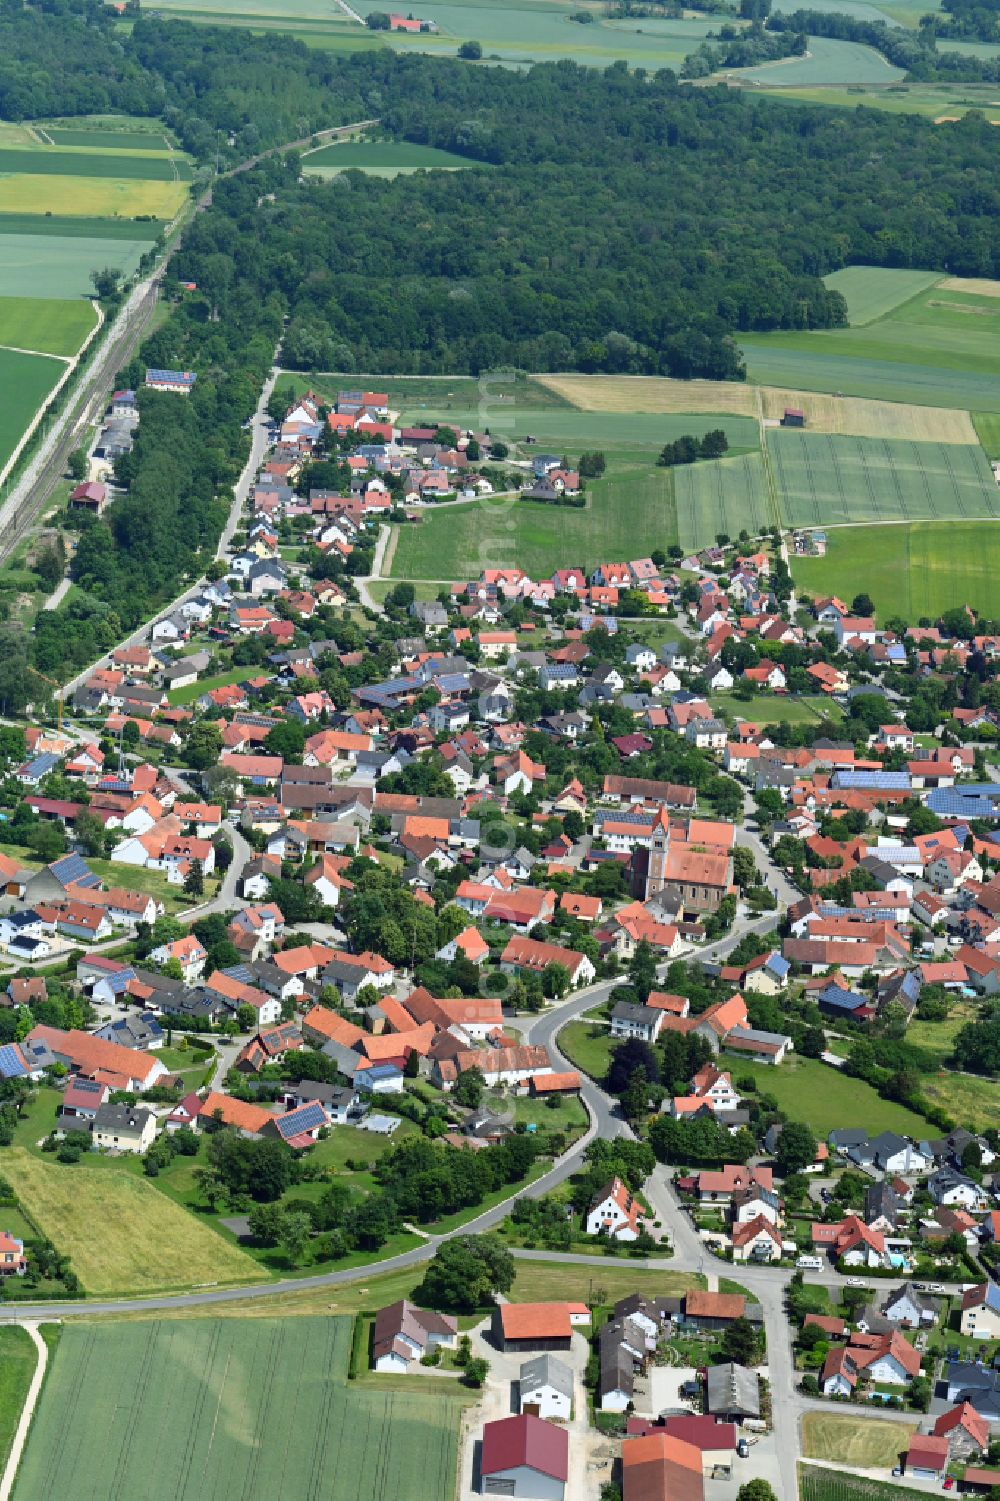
point(638, 921)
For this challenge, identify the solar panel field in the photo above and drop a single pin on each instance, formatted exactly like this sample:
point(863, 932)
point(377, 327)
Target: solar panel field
point(829, 480)
point(232, 1409)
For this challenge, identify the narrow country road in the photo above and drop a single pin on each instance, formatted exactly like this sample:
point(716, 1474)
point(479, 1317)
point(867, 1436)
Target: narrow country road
point(241, 490)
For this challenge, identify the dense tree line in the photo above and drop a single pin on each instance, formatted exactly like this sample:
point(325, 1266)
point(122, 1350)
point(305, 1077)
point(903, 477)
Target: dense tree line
point(745, 47)
point(979, 19)
point(913, 50)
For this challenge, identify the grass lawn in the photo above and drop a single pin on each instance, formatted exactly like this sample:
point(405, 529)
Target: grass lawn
point(774, 709)
point(627, 514)
point(18, 1359)
point(824, 1098)
point(262, 1409)
point(45, 325)
point(590, 1053)
point(970, 1101)
point(178, 697)
point(864, 1441)
point(379, 588)
point(569, 1114)
point(939, 1037)
point(122, 1235)
point(137, 878)
point(913, 571)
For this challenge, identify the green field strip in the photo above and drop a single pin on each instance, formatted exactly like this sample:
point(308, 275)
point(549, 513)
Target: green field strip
point(720, 495)
point(72, 226)
point(873, 291)
point(92, 164)
point(107, 140)
point(45, 325)
point(49, 267)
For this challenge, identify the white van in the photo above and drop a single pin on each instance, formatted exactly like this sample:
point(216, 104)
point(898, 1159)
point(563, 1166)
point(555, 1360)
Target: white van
point(809, 1264)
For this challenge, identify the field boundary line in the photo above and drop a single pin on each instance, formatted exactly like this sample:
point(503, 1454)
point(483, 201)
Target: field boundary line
point(42, 354)
point(769, 480)
point(27, 1412)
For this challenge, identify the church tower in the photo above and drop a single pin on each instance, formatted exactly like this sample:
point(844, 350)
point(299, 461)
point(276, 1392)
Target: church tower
point(659, 848)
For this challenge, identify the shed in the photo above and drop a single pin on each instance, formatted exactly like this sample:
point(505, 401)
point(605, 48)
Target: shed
point(524, 1456)
point(793, 417)
point(545, 1388)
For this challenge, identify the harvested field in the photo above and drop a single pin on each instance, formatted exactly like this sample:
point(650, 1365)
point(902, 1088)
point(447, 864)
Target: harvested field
point(652, 393)
point(975, 286)
point(856, 416)
point(853, 416)
point(864, 1441)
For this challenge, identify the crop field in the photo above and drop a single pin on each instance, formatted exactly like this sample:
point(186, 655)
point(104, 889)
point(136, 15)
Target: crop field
point(41, 265)
point(26, 380)
point(873, 291)
point(46, 326)
point(109, 138)
point(724, 495)
point(827, 62)
point(972, 286)
point(105, 197)
point(987, 426)
point(528, 30)
point(51, 160)
point(122, 1235)
point(934, 101)
point(826, 480)
point(236, 1410)
point(855, 417)
point(627, 515)
point(816, 1484)
point(387, 158)
point(940, 347)
point(913, 571)
point(856, 9)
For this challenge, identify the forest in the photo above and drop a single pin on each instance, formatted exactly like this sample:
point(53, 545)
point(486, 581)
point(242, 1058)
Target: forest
point(916, 51)
point(607, 221)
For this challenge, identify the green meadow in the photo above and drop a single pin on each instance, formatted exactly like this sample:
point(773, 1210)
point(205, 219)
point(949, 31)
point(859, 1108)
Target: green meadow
point(912, 571)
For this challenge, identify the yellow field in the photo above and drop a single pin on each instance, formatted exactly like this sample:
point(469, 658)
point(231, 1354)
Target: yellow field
point(857, 418)
point(121, 1234)
point(652, 393)
point(864, 1441)
point(92, 197)
point(973, 285)
point(848, 415)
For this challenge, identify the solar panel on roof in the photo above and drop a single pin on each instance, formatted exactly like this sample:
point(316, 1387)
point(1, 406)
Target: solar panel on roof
point(73, 870)
point(308, 1117)
point(11, 1063)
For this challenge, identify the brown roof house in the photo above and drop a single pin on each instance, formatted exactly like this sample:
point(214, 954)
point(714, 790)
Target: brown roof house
point(403, 1333)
